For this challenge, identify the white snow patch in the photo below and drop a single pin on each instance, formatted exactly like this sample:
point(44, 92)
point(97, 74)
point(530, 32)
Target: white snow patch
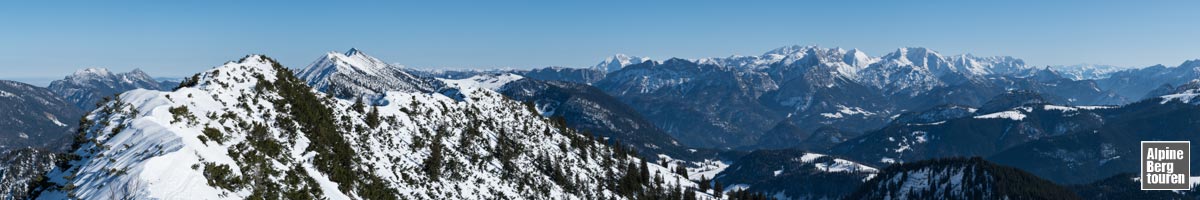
point(490, 82)
point(1060, 108)
point(55, 120)
point(1011, 114)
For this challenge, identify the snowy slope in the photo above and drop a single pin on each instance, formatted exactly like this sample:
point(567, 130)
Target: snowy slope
point(486, 81)
point(356, 74)
point(249, 129)
point(32, 116)
point(795, 174)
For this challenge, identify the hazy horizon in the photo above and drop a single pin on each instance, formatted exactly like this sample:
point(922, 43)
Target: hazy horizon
point(168, 39)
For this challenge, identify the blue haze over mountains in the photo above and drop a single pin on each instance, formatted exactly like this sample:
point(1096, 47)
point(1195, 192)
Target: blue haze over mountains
point(792, 113)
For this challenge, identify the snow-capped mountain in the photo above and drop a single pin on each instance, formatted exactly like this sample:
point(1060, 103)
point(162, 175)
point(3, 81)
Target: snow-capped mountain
point(914, 71)
point(749, 101)
point(581, 106)
point(250, 129)
point(681, 97)
point(616, 62)
point(32, 116)
point(1087, 71)
point(356, 74)
point(1134, 83)
point(958, 178)
point(88, 86)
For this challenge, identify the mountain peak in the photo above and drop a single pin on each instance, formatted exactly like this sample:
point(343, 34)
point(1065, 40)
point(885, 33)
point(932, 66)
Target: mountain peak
point(618, 61)
point(92, 71)
point(352, 60)
point(791, 50)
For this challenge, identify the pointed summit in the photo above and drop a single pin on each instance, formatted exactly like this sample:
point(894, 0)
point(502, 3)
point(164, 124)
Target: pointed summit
point(356, 74)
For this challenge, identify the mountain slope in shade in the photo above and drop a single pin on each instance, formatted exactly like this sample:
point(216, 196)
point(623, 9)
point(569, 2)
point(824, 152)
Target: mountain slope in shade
point(356, 74)
point(958, 178)
point(589, 109)
point(795, 174)
point(749, 102)
point(34, 116)
point(1109, 149)
point(681, 97)
point(86, 87)
point(1010, 120)
point(250, 129)
point(1125, 186)
point(1135, 83)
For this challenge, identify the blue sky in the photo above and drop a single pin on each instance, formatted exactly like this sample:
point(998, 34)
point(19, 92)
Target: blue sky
point(176, 38)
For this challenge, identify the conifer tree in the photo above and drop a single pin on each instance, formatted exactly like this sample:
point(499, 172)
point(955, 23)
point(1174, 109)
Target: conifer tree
point(717, 188)
point(358, 105)
point(373, 117)
point(645, 172)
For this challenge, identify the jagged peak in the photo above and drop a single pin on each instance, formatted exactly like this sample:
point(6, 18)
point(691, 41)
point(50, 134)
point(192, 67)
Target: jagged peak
point(618, 61)
point(791, 50)
point(97, 71)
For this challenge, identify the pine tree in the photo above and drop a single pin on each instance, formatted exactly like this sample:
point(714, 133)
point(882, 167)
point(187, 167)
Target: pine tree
point(645, 171)
point(704, 184)
point(689, 194)
point(358, 105)
point(433, 164)
point(717, 188)
point(373, 117)
point(681, 170)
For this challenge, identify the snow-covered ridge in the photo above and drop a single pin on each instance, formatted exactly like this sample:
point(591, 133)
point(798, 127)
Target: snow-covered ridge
point(245, 129)
point(838, 164)
point(356, 74)
point(353, 60)
point(1009, 114)
point(486, 81)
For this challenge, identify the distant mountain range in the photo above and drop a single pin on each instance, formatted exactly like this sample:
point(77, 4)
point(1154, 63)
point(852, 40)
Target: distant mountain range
point(797, 122)
point(86, 87)
point(32, 116)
